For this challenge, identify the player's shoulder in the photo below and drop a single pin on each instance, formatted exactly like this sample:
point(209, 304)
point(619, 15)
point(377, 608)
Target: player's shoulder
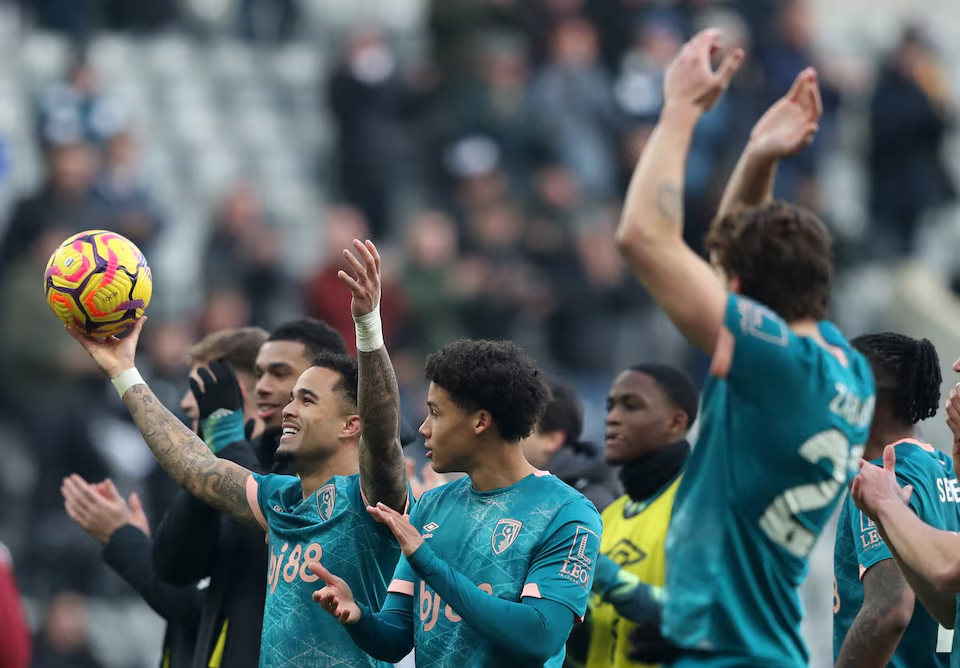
point(918, 459)
point(570, 504)
point(280, 484)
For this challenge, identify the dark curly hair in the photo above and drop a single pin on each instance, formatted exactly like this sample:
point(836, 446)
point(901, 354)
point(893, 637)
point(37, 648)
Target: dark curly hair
point(346, 366)
point(495, 376)
point(315, 335)
point(782, 254)
point(907, 373)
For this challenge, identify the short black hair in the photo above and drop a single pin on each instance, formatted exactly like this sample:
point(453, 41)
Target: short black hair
point(316, 336)
point(349, 372)
point(677, 385)
point(562, 412)
point(907, 373)
point(495, 376)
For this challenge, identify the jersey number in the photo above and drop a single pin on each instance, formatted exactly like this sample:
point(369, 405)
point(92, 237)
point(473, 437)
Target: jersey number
point(780, 521)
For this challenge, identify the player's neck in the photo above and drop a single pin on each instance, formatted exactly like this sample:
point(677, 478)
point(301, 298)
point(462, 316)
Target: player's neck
point(810, 328)
point(501, 465)
point(313, 475)
point(881, 437)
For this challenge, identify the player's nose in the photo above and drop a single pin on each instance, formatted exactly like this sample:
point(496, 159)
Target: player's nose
point(956, 365)
point(290, 410)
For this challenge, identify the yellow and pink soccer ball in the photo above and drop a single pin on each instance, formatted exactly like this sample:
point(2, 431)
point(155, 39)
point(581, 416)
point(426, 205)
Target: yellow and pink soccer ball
point(98, 282)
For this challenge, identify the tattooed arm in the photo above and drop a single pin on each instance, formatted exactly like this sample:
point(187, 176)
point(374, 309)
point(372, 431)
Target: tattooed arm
point(382, 472)
point(650, 235)
point(383, 476)
point(886, 611)
point(181, 453)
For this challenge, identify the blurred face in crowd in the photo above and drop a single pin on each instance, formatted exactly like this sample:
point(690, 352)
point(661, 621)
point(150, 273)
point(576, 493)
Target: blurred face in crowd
point(432, 240)
point(640, 419)
point(539, 447)
point(71, 169)
point(318, 419)
point(279, 365)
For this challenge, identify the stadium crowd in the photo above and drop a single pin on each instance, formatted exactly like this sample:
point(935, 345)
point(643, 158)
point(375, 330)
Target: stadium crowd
point(490, 173)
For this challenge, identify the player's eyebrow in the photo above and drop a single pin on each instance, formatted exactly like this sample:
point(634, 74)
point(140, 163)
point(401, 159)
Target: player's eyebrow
point(304, 392)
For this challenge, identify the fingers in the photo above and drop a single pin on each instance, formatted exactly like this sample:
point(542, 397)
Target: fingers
point(195, 388)
point(731, 63)
point(370, 264)
point(111, 490)
point(135, 504)
point(375, 253)
point(906, 493)
point(317, 569)
point(358, 266)
point(349, 280)
point(205, 378)
point(890, 459)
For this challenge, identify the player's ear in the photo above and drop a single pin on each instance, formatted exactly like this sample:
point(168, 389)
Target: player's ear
point(554, 441)
point(678, 426)
point(351, 428)
point(482, 421)
point(733, 284)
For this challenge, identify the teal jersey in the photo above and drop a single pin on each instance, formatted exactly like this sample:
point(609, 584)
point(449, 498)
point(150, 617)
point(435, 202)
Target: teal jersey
point(538, 538)
point(859, 546)
point(782, 430)
point(333, 527)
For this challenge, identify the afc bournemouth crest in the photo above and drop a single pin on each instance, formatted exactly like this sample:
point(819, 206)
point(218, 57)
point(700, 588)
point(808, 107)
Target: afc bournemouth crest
point(326, 500)
point(504, 534)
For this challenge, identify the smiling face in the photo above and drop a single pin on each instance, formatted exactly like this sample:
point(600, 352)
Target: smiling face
point(640, 418)
point(450, 433)
point(318, 419)
point(279, 365)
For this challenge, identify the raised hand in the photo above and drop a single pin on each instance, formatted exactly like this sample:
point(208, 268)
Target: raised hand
point(874, 486)
point(691, 80)
point(953, 419)
point(113, 355)
point(98, 509)
point(366, 286)
point(336, 597)
point(408, 537)
point(792, 122)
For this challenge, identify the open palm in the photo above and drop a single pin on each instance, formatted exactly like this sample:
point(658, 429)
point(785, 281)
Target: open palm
point(792, 122)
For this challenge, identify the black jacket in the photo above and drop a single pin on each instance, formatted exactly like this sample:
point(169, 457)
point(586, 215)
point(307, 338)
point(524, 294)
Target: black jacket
point(128, 553)
point(194, 542)
point(583, 467)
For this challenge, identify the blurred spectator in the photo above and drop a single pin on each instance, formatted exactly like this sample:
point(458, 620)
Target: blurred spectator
point(438, 287)
point(327, 298)
point(268, 21)
point(225, 308)
point(64, 201)
point(243, 256)
point(78, 110)
point(911, 112)
point(124, 192)
point(64, 640)
point(14, 632)
point(573, 99)
point(369, 99)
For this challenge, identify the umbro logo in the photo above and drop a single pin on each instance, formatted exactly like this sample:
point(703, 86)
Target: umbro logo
point(433, 526)
point(278, 509)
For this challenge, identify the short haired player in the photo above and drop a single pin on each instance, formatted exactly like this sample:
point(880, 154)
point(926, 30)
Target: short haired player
point(788, 403)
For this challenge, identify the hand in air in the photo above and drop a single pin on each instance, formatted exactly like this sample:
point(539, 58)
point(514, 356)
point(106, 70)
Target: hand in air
point(99, 509)
point(113, 355)
point(875, 486)
point(408, 537)
point(336, 598)
point(953, 418)
point(792, 122)
point(691, 80)
point(366, 286)
point(220, 389)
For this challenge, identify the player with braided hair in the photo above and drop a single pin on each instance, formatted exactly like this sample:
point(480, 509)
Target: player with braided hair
point(877, 617)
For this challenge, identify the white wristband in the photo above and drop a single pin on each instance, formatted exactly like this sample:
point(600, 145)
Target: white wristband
point(369, 331)
point(126, 380)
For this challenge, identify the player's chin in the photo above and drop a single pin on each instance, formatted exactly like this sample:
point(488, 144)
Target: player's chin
point(437, 463)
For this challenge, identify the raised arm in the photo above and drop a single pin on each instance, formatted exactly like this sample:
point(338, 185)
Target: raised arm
point(383, 476)
point(650, 234)
point(784, 130)
point(179, 451)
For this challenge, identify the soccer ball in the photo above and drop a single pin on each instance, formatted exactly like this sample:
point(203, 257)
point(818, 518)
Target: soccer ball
point(98, 282)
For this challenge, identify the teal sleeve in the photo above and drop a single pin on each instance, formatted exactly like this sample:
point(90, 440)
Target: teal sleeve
point(763, 346)
point(269, 490)
point(386, 635)
point(222, 428)
point(563, 567)
point(536, 628)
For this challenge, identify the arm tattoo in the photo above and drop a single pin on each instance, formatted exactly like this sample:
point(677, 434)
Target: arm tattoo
point(875, 633)
point(670, 202)
point(382, 474)
point(218, 482)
